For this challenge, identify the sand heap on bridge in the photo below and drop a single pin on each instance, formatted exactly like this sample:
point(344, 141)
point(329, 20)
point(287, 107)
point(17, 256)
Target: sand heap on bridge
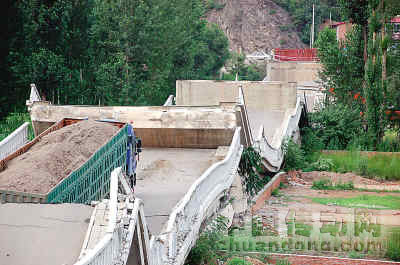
point(55, 156)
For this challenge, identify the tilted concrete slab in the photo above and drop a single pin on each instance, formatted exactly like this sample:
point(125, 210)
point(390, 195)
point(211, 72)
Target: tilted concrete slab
point(267, 102)
point(46, 234)
point(164, 175)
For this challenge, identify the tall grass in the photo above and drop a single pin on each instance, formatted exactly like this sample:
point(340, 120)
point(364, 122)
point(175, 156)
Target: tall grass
point(363, 201)
point(12, 122)
point(384, 167)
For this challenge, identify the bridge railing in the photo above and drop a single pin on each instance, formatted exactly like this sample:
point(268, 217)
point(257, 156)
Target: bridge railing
point(181, 233)
point(169, 101)
point(114, 247)
point(15, 140)
point(273, 153)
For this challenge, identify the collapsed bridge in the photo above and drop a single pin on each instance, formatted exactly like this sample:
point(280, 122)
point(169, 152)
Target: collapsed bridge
point(189, 160)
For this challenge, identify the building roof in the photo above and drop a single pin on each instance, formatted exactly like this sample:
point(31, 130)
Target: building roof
point(396, 19)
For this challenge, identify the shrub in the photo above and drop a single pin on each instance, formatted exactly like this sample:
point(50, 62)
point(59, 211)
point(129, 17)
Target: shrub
point(323, 184)
point(206, 246)
point(326, 184)
point(272, 12)
point(393, 249)
point(250, 169)
point(336, 125)
point(322, 164)
point(294, 156)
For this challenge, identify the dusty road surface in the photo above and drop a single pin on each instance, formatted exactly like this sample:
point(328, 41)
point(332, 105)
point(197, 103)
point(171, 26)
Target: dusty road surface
point(164, 175)
point(45, 234)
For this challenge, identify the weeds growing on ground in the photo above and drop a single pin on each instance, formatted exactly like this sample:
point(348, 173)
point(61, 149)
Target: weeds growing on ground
point(238, 261)
point(326, 184)
point(393, 248)
point(364, 201)
point(379, 166)
point(12, 122)
point(206, 248)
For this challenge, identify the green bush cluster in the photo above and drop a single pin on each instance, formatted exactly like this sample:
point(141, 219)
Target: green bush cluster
point(12, 122)
point(250, 169)
point(294, 156)
point(326, 184)
point(205, 250)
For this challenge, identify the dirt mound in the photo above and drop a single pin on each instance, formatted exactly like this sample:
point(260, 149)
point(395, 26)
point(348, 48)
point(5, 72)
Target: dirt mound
point(55, 156)
point(255, 25)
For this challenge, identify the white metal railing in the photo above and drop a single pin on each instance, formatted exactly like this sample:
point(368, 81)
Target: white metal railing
point(169, 101)
point(174, 243)
point(14, 141)
point(273, 153)
point(114, 247)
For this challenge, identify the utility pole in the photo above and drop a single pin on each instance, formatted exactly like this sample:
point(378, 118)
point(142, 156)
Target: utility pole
point(313, 26)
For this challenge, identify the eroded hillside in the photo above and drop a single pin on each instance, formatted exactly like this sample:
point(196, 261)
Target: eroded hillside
point(254, 25)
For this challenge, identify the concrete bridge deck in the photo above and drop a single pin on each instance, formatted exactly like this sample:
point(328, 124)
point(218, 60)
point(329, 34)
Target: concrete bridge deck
point(164, 176)
point(46, 234)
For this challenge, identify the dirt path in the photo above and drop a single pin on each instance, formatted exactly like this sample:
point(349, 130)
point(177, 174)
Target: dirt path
point(56, 155)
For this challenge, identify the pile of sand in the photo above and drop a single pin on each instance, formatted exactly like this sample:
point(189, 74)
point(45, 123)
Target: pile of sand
point(55, 156)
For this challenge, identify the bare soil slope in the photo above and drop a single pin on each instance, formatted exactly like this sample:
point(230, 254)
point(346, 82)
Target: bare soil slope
point(255, 25)
point(56, 155)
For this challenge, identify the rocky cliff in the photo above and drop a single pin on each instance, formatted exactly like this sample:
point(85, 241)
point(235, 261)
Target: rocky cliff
point(254, 25)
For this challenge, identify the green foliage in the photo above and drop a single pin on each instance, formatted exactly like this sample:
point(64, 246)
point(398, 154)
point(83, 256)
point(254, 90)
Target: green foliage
point(107, 52)
point(12, 122)
point(363, 201)
point(336, 126)
point(378, 166)
point(272, 12)
point(212, 4)
point(283, 42)
point(393, 248)
point(326, 184)
point(343, 66)
point(294, 156)
point(322, 164)
point(284, 27)
point(276, 193)
point(301, 14)
point(246, 72)
point(282, 262)
point(250, 168)
point(205, 250)
point(238, 261)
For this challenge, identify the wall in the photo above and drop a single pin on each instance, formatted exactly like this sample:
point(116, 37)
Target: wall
point(172, 127)
point(261, 95)
point(301, 72)
point(259, 200)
